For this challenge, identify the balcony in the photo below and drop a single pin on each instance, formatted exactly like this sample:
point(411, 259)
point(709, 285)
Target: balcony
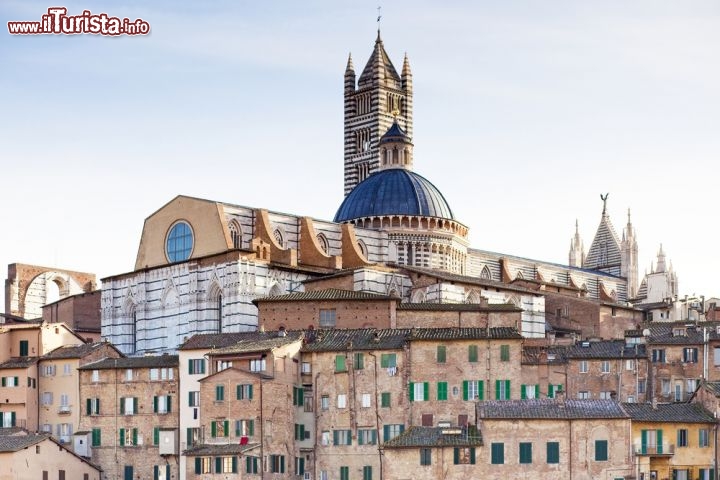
point(665, 449)
point(64, 410)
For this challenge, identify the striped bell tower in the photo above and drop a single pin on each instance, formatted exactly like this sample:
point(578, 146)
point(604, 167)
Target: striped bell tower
point(372, 105)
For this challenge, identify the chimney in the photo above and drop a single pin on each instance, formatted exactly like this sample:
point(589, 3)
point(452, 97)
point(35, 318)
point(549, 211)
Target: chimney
point(654, 403)
point(560, 398)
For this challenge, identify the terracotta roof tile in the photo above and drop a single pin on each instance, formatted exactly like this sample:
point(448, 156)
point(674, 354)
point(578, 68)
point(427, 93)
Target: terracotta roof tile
point(669, 412)
point(436, 437)
point(329, 294)
point(550, 409)
point(150, 361)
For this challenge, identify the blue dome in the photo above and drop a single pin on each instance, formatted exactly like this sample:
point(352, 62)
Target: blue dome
point(394, 192)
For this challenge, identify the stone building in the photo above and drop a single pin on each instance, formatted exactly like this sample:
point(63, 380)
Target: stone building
point(59, 387)
point(80, 312)
point(129, 421)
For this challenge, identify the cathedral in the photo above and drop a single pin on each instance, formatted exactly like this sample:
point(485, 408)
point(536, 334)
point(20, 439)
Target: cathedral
point(202, 263)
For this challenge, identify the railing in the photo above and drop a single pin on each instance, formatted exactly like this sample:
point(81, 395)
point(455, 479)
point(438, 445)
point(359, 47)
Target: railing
point(664, 449)
point(64, 409)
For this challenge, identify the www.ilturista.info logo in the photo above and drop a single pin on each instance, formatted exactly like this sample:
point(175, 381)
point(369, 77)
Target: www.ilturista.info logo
point(58, 22)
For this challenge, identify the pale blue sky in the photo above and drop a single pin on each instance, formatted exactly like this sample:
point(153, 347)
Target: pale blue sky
point(525, 111)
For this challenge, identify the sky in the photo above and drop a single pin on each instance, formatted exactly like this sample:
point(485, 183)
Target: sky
point(524, 113)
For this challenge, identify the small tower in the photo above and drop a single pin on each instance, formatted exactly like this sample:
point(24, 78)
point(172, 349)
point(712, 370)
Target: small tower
point(380, 98)
point(577, 249)
point(629, 258)
point(396, 149)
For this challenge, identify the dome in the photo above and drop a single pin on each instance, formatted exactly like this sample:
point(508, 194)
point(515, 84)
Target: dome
point(395, 191)
point(394, 134)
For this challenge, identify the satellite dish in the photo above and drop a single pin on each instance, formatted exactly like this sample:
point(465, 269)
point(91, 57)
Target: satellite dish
point(646, 332)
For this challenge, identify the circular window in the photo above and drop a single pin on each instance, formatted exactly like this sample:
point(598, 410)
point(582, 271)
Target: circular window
point(179, 243)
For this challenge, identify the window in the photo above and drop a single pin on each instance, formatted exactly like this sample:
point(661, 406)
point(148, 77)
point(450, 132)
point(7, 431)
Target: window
point(162, 404)
point(92, 406)
point(67, 369)
point(220, 428)
point(306, 368)
point(325, 438)
point(344, 473)
point(704, 438)
point(277, 463)
point(529, 391)
point(419, 392)
point(473, 390)
point(365, 400)
point(324, 402)
point(244, 428)
point(630, 364)
point(193, 436)
point(553, 452)
point(96, 437)
point(463, 456)
point(605, 366)
point(342, 437)
point(161, 374)
point(358, 361)
point(252, 464)
point(327, 318)
point(24, 348)
point(129, 405)
point(441, 354)
point(583, 366)
point(385, 399)
point(308, 403)
point(606, 395)
point(226, 464)
point(584, 395)
point(678, 392)
point(367, 472)
point(367, 436)
point(388, 360)
point(8, 419)
point(257, 365)
point(504, 353)
point(193, 399)
point(472, 353)
point(553, 390)
point(219, 393)
point(442, 391)
point(300, 431)
point(391, 431)
point(502, 389)
point(95, 376)
point(179, 242)
point(196, 366)
point(665, 386)
point(601, 450)
point(425, 456)
point(682, 437)
point(341, 400)
point(47, 398)
point(658, 355)
point(129, 375)
point(525, 452)
point(690, 355)
point(128, 437)
point(497, 453)
point(716, 356)
point(340, 363)
point(641, 385)
point(299, 465)
point(48, 371)
point(202, 465)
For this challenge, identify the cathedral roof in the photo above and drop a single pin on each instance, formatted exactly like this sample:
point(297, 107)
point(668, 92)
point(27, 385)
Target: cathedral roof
point(605, 248)
point(394, 192)
point(395, 134)
point(378, 60)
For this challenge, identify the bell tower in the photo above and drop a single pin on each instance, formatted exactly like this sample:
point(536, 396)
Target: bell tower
point(372, 104)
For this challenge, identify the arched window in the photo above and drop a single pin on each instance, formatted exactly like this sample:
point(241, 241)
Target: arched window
point(179, 243)
point(485, 273)
point(218, 314)
point(279, 237)
point(235, 234)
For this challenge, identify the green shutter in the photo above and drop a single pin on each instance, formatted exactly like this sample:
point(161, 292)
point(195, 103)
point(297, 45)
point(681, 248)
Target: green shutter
point(3, 381)
point(339, 363)
point(191, 370)
point(497, 389)
point(504, 353)
point(135, 405)
point(97, 406)
point(507, 389)
point(301, 396)
point(88, 406)
point(386, 433)
point(523, 395)
point(213, 429)
point(601, 450)
point(481, 390)
point(248, 464)
point(441, 354)
point(156, 472)
point(553, 452)
point(537, 390)
point(155, 404)
point(168, 403)
point(134, 436)
point(226, 428)
point(497, 453)
point(251, 427)
point(426, 391)
point(250, 392)
point(466, 394)
point(218, 465)
point(122, 437)
point(238, 392)
point(551, 391)
point(282, 463)
point(442, 390)
point(122, 406)
point(156, 436)
point(198, 465)
point(189, 435)
point(643, 442)
point(234, 465)
point(385, 399)
point(412, 392)
point(472, 353)
point(336, 437)
point(472, 455)
point(167, 471)
point(659, 441)
point(456, 456)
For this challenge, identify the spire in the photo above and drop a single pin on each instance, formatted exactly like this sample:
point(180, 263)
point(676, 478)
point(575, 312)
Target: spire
point(379, 68)
point(350, 75)
point(577, 249)
point(350, 69)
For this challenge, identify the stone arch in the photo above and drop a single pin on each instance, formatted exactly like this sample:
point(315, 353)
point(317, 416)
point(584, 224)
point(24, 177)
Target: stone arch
point(275, 290)
point(26, 287)
point(519, 276)
point(485, 273)
point(472, 297)
point(279, 236)
point(514, 299)
point(235, 234)
point(130, 316)
point(418, 296)
point(214, 311)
